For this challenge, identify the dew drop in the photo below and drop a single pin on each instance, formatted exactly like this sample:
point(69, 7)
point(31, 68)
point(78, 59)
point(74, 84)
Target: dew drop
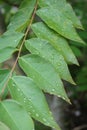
point(24, 99)
point(15, 40)
point(63, 98)
point(43, 56)
point(18, 89)
point(59, 96)
point(44, 120)
point(29, 99)
point(13, 84)
point(53, 90)
point(37, 115)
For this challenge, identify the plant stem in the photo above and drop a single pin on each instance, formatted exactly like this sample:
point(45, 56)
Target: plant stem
point(20, 49)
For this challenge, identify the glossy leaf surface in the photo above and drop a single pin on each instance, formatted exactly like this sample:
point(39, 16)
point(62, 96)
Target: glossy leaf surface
point(15, 116)
point(58, 42)
point(44, 75)
point(57, 21)
point(65, 8)
point(24, 90)
point(45, 50)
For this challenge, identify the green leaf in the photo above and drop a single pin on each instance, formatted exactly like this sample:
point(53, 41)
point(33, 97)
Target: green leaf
point(44, 75)
point(65, 8)
point(15, 116)
point(70, 14)
point(4, 74)
point(10, 39)
point(43, 3)
point(58, 42)
point(76, 51)
point(8, 43)
point(21, 19)
point(56, 20)
point(45, 50)
point(24, 90)
point(6, 53)
point(3, 126)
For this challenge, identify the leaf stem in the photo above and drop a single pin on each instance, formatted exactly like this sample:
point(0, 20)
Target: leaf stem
point(20, 49)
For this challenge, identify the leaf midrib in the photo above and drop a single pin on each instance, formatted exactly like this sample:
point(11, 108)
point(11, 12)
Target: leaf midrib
point(10, 115)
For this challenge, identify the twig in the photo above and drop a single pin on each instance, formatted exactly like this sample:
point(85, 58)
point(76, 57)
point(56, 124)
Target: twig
point(20, 49)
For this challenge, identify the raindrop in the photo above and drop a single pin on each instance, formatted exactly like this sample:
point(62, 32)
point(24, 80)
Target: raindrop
point(44, 120)
point(18, 89)
point(29, 99)
point(37, 115)
point(63, 98)
point(43, 56)
point(10, 24)
point(53, 90)
point(59, 96)
point(15, 40)
point(40, 45)
point(13, 84)
point(24, 99)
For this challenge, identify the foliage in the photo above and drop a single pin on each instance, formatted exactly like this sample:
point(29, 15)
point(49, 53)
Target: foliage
point(45, 65)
